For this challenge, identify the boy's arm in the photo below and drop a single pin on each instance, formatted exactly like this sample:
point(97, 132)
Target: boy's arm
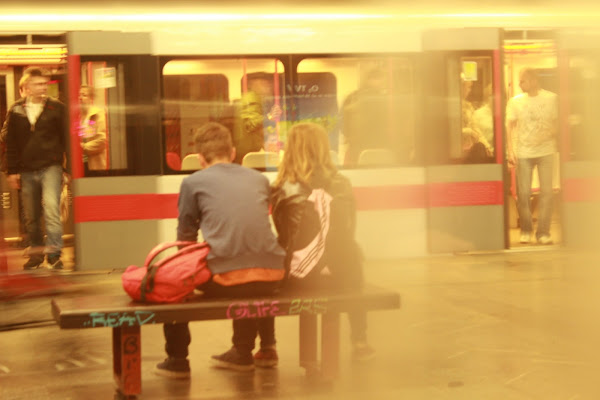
point(188, 221)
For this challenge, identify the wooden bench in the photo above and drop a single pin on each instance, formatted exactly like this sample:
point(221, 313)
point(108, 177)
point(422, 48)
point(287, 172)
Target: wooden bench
point(125, 317)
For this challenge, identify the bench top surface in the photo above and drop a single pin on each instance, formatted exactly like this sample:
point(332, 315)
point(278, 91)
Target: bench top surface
point(114, 311)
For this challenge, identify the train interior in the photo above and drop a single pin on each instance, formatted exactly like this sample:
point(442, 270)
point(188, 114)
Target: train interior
point(18, 52)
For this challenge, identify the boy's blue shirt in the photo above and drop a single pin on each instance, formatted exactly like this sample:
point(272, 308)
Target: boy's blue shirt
point(230, 205)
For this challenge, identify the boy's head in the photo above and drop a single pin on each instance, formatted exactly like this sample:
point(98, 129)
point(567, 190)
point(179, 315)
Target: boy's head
point(213, 144)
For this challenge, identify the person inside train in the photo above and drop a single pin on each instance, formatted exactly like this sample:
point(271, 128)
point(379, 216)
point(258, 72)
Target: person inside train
point(36, 138)
point(532, 125)
point(257, 125)
point(469, 115)
point(230, 204)
point(92, 131)
point(474, 152)
point(307, 180)
point(366, 117)
point(483, 119)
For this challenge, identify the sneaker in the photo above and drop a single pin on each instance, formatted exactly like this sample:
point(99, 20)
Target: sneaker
point(525, 238)
point(266, 358)
point(545, 239)
point(54, 262)
point(232, 359)
point(176, 368)
point(34, 262)
point(361, 351)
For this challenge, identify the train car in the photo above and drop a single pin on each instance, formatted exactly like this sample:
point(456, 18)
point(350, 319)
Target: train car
point(418, 193)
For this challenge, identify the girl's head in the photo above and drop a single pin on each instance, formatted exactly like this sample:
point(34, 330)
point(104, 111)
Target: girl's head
point(306, 155)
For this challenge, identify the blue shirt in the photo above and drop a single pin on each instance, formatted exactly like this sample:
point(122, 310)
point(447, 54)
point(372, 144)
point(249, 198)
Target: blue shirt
point(230, 205)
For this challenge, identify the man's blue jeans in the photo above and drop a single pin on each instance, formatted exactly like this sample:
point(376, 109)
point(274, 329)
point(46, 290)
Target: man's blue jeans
point(40, 191)
point(545, 167)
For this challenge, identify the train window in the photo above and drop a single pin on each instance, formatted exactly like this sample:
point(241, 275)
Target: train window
point(367, 104)
point(472, 122)
point(244, 94)
point(584, 97)
point(102, 126)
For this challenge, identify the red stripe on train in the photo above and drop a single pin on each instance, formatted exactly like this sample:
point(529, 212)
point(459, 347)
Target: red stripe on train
point(393, 197)
point(455, 194)
point(582, 189)
point(389, 197)
point(125, 207)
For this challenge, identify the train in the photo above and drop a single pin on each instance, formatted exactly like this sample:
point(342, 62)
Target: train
point(160, 74)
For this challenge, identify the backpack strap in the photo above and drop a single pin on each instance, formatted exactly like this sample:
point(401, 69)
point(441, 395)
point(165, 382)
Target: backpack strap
point(162, 247)
point(147, 285)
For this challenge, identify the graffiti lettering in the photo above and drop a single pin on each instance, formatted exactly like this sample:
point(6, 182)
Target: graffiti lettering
point(130, 346)
point(115, 320)
point(256, 309)
point(311, 306)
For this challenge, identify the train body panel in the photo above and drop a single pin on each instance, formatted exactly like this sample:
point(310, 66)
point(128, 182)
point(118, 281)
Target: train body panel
point(161, 74)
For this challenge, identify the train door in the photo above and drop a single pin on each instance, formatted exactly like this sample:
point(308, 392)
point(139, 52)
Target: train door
point(535, 50)
point(579, 139)
point(18, 52)
point(463, 140)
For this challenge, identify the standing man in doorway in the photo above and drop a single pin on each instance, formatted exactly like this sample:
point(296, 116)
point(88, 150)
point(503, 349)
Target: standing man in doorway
point(35, 144)
point(532, 119)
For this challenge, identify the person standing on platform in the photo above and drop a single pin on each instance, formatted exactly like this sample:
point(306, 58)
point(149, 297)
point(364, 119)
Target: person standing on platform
point(36, 139)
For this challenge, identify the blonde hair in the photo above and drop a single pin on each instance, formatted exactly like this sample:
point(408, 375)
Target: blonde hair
point(306, 155)
point(213, 140)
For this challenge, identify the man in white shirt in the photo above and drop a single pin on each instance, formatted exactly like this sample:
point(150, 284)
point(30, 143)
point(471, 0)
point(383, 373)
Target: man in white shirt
point(532, 118)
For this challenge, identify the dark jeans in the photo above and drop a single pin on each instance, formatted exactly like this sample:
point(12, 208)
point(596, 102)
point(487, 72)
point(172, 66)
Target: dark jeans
point(178, 336)
point(40, 193)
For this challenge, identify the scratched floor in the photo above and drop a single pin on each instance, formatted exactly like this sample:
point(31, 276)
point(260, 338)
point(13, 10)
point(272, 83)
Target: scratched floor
point(510, 326)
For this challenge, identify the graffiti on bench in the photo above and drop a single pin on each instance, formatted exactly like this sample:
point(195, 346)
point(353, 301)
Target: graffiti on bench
point(118, 319)
point(272, 308)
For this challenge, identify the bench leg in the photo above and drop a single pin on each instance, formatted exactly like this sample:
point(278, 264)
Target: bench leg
point(330, 345)
point(127, 359)
point(308, 342)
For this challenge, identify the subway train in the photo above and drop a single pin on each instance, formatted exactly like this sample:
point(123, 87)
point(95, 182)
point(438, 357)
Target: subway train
point(158, 77)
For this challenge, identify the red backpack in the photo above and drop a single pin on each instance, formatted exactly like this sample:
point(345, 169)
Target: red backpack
point(171, 279)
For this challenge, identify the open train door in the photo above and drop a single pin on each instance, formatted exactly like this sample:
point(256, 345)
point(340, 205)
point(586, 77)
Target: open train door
point(464, 140)
point(579, 136)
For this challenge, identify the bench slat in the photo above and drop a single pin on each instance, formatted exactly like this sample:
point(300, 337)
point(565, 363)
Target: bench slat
point(119, 310)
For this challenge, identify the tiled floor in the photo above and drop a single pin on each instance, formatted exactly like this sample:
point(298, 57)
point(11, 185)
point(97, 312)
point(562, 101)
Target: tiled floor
point(508, 325)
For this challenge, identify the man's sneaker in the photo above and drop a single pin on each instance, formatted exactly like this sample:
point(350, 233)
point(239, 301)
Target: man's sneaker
point(545, 239)
point(361, 351)
point(54, 262)
point(266, 358)
point(33, 262)
point(175, 368)
point(232, 359)
point(525, 238)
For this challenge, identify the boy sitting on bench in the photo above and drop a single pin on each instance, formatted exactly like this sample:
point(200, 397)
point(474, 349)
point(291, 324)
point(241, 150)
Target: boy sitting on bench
point(230, 204)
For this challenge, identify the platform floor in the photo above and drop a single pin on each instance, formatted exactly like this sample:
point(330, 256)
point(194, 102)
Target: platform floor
point(512, 325)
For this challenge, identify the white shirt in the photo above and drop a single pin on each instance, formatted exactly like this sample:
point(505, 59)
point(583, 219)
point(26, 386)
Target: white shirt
point(536, 123)
point(33, 110)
